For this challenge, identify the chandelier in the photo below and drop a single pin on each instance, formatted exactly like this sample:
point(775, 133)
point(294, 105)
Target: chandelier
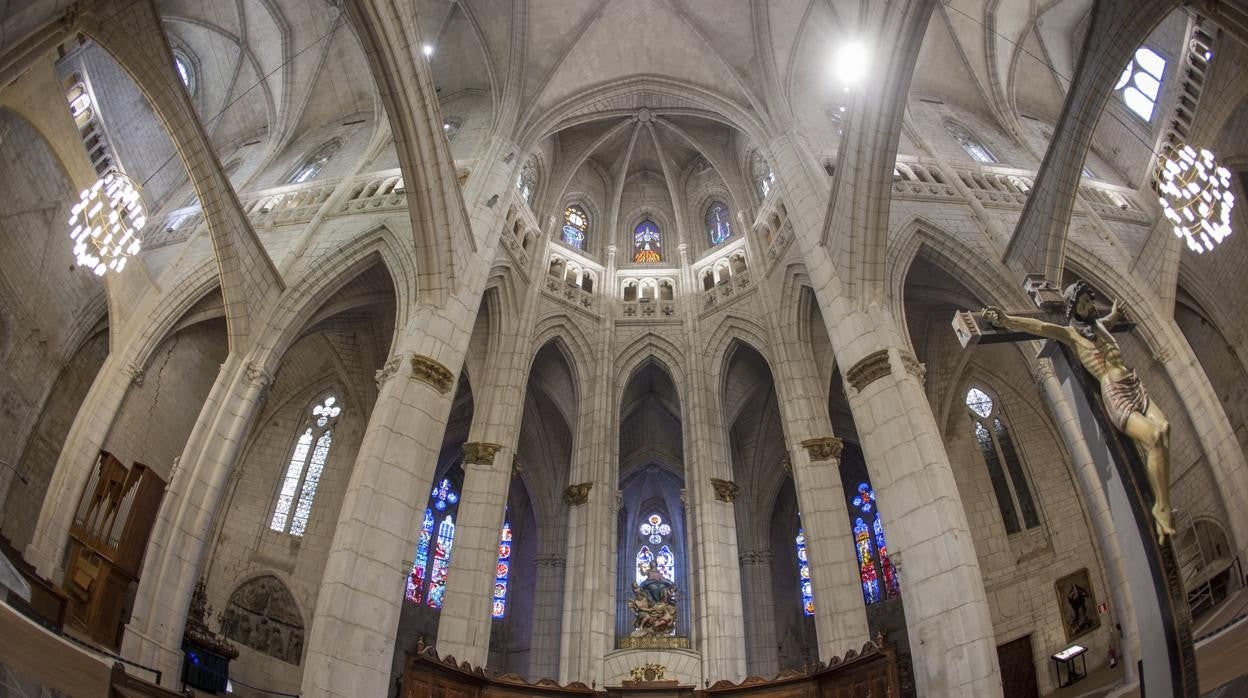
point(106, 222)
point(1195, 196)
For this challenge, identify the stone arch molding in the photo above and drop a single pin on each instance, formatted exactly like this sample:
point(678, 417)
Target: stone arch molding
point(262, 614)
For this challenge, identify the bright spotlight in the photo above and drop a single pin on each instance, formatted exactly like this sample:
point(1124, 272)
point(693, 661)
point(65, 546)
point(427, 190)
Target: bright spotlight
point(850, 63)
point(428, 49)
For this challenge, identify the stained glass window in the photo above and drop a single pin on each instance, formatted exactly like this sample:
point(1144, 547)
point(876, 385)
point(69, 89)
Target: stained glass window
point(450, 129)
point(502, 572)
point(441, 561)
point(647, 242)
point(1139, 86)
point(718, 225)
point(972, 145)
point(654, 530)
point(878, 576)
point(527, 182)
point(1005, 468)
point(575, 226)
point(416, 580)
point(866, 562)
point(303, 471)
point(427, 578)
point(803, 575)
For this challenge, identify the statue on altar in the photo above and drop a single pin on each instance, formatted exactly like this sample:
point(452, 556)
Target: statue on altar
point(654, 603)
point(1126, 402)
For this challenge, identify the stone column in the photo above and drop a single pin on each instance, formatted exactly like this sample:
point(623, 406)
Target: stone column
point(1098, 510)
point(179, 538)
point(762, 656)
point(587, 627)
point(464, 628)
point(947, 614)
point(544, 645)
point(351, 643)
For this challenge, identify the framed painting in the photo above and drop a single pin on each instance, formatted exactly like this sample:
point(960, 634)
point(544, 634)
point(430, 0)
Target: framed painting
point(1076, 601)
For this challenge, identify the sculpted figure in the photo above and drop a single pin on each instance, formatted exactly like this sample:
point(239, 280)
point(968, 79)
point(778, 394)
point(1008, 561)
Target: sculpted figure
point(1126, 401)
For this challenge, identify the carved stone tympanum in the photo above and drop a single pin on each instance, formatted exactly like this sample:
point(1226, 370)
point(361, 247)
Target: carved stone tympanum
point(823, 448)
point(262, 615)
point(428, 370)
point(577, 494)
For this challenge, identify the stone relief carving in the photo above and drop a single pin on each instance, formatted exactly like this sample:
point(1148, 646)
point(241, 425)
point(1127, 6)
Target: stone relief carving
point(823, 448)
point(428, 370)
point(725, 490)
point(913, 366)
point(388, 371)
point(872, 367)
point(480, 452)
point(648, 672)
point(262, 615)
point(577, 494)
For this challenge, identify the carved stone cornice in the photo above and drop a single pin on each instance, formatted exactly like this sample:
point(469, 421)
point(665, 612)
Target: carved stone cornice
point(428, 370)
point(823, 448)
point(912, 365)
point(577, 494)
point(385, 373)
point(756, 557)
point(725, 490)
point(480, 452)
point(136, 373)
point(872, 367)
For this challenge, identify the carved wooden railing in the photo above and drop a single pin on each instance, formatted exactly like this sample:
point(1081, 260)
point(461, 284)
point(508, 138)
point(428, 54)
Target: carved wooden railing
point(870, 672)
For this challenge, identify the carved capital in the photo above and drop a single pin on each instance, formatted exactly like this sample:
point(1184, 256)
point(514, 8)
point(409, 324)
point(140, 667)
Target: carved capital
point(872, 367)
point(787, 464)
point(617, 503)
point(516, 468)
point(551, 561)
point(385, 373)
point(136, 373)
point(912, 365)
point(1163, 355)
point(725, 490)
point(1042, 371)
point(577, 494)
point(823, 448)
point(428, 370)
point(480, 453)
point(256, 377)
point(756, 557)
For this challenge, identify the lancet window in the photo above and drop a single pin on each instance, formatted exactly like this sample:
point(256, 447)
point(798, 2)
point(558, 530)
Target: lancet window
point(718, 225)
point(654, 530)
point(803, 574)
point(973, 146)
point(1139, 86)
point(314, 163)
point(303, 471)
point(427, 580)
point(875, 569)
point(575, 226)
point(502, 572)
point(527, 182)
point(647, 242)
point(763, 177)
point(1005, 469)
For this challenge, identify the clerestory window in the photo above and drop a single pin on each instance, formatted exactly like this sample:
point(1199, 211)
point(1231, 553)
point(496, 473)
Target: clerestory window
point(303, 471)
point(1005, 469)
point(1139, 86)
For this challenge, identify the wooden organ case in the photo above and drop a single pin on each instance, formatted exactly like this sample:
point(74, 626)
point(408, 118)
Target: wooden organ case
point(107, 542)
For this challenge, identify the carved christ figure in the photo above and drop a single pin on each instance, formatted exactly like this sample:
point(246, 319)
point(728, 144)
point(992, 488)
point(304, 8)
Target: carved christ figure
point(1126, 402)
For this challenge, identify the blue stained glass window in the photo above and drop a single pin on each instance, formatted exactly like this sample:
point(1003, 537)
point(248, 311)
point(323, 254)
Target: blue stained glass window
point(647, 242)
point(575, 226)
point(892, 587)
point(444, 496)
point(865, 501)
point(644, 559)
point(416, 580)
point(502, 572)
point(441, 561)
point(718, 225)
point(665, 561)
point(803, 575)
point(866, 562)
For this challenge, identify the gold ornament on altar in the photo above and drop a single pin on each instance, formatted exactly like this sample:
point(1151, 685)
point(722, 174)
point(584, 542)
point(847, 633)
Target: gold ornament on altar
point(1195, 196)
point(107, 222)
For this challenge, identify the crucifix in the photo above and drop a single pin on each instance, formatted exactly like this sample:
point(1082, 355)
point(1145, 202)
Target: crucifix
point(1129, 437)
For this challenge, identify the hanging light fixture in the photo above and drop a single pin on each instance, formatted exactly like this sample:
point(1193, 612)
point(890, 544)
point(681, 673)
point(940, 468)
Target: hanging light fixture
point(106, 223)
point(1195, 196)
